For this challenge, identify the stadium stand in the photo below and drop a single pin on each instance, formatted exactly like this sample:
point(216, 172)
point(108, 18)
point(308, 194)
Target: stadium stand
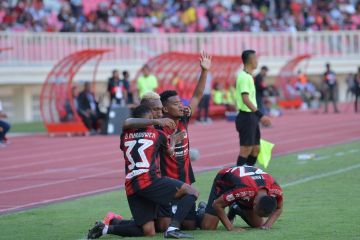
point(178, 16)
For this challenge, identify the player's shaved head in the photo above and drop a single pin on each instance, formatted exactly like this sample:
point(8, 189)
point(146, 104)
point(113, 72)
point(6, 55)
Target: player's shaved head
point(266, 206)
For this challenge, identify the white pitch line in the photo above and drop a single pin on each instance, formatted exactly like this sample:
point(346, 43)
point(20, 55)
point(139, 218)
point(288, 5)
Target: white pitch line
point(319, 176)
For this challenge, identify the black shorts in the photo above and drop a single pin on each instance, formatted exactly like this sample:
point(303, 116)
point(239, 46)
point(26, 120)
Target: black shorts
point(212, 197)
point(170, 209)
point(247, 125)
point(144, 203)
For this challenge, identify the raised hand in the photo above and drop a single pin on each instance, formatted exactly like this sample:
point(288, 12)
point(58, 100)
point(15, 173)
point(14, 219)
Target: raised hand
point(205, 61)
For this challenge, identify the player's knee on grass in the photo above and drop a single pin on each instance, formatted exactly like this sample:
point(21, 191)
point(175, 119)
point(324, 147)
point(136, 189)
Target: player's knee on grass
point(149, 229)
point(209, 222)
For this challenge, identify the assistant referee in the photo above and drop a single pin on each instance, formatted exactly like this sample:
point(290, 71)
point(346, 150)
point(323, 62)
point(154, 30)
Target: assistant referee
point(247, 121)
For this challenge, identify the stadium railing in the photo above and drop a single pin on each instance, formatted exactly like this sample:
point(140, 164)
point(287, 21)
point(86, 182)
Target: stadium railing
point(46, 48)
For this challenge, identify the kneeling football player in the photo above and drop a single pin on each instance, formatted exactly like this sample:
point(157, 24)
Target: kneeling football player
point(145, 187)
point(252, 193)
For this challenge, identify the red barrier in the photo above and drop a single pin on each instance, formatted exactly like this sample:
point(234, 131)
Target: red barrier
point(56, 91)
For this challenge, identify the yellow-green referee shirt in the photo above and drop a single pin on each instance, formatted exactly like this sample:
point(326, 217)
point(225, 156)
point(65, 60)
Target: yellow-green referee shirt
point(146, 84)
point(245, 84)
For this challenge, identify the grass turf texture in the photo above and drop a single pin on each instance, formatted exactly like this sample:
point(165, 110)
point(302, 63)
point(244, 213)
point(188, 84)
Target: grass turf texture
point(31, 127)
point(324, 208)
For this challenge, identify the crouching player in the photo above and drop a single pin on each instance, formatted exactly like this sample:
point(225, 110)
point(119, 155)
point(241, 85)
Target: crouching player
point(255, 193)
point(145, 187)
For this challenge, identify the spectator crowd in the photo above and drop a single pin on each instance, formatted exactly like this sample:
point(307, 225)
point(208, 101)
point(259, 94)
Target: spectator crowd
point(178, 16)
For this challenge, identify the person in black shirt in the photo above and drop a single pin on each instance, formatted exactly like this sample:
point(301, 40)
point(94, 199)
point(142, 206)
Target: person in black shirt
point(260, 88)
point(330, 88)
point(357, 89)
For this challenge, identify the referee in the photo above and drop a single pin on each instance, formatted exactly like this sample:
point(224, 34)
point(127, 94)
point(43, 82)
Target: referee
point(247, 121)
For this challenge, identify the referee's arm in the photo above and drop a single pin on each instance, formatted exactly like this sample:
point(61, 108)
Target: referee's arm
point(263, 119)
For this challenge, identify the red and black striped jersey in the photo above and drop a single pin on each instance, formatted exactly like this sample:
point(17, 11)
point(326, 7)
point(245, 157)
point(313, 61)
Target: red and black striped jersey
point(178, 166)
point(141, 149)
point(241, 184)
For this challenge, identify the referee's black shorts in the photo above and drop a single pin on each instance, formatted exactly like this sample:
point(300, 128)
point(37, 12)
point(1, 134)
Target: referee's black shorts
point(247, 125)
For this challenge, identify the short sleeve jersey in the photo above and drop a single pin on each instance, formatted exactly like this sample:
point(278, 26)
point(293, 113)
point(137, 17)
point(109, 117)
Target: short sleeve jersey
point(178, 166)
point(141, 149)
point(245, 84)
point(241, 184)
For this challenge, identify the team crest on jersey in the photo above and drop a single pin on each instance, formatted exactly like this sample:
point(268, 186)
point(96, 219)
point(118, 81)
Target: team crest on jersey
point(230, 198)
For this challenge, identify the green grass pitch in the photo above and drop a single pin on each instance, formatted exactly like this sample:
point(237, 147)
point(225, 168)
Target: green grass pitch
point(321, 201)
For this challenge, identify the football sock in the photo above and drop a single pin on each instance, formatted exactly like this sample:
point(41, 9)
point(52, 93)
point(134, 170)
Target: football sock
point(126, 230)
point(116, 221)
point(105, 230)
point(251, 160)
point(184, 206)
point(241, 161)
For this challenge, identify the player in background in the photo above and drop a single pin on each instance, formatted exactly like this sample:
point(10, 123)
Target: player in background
point(255, 192)
point(144, 185)
point(179, 167)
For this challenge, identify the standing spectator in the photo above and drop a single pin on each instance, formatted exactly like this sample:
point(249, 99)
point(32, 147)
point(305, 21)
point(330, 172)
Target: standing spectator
point(116, 89)
point(357, 88)
point(126, 83)
point(350, 83)
point(88, 108)
point(204, 103)
point(260, 87)
point(4, 127)
point(147, 82)
point(247, 121)
point(330, 88)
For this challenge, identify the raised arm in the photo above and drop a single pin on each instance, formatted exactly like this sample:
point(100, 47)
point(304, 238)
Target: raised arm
point(205, 63)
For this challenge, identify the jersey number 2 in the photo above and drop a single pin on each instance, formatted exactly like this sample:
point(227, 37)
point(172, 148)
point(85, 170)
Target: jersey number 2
point(144, 161)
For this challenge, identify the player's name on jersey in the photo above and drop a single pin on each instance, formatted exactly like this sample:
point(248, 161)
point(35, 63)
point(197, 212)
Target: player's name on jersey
point(140, 135)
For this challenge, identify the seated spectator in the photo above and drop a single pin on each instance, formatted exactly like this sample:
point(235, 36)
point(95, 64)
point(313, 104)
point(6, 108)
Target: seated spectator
point(230, 98)
point(291, 91)
point(218, 94)
point(4, 127)
point(88, 108)
point(69, 108)
point(147, 82)
point(179, 16)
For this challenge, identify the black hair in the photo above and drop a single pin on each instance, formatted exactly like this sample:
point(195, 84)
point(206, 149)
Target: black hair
point(245, 56)
point(265, 68)
point(267, 204)
point(125, 73)
point(165, 95)
point(140, 111)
